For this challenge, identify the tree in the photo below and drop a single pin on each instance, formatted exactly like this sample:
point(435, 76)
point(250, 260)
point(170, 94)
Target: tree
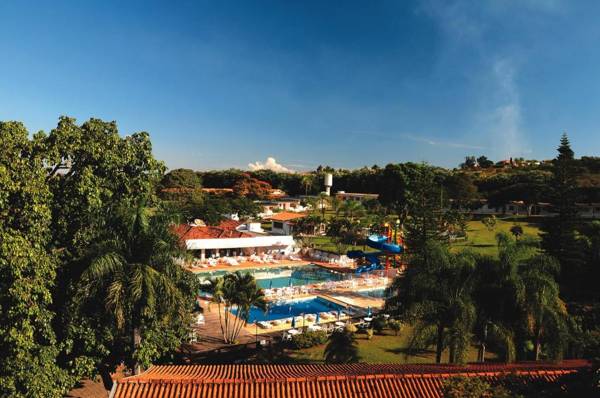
point(352, 209)
point(181, 178)
point(251, 188)
point(543, 307)
point(461, 190)
point(489, 222)
point(473, 387)
point(308, 180)
point(426, 219)
point(92, 172)
point(484, 162)
point(134, 292)
point(434, 295)
point(235, 291)
point(469, 163)
point(559, 233)
point(27, 272)
point(341, 347)
point(516, 230)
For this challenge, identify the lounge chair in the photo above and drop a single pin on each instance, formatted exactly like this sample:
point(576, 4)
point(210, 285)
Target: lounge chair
point(265, 325)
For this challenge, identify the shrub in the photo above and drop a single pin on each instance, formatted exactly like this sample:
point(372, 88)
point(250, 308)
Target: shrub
point(369, 334)
point(378, 325)
point(309, 339)
point(473, 387)
point(395, 325)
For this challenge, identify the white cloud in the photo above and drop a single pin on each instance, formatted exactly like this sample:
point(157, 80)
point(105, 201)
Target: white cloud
point(504, 120)
point(269, 164)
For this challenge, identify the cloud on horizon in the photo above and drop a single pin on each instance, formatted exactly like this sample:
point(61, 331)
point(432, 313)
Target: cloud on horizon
point(269, 164)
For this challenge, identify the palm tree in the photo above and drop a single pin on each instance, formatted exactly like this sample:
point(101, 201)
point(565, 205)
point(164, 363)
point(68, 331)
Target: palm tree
point(434, 295)
point(307, 182)
point(341, 347)
point(546, 313)
point(236, 291)
point(351, 209)
point(135, 277)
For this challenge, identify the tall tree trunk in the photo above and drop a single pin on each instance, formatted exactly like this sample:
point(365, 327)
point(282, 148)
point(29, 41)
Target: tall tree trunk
point(537, 346)
point(137, 339)
point(481, 352)
point(439, 343)
point(452, 351)
point(106, 378)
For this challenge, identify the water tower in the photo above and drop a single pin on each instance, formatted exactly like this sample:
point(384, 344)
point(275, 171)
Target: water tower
point(328, 183)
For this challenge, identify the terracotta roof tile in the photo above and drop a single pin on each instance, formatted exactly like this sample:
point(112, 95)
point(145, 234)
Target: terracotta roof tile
point(331, 381)
point(226, 229)
point(286, 216)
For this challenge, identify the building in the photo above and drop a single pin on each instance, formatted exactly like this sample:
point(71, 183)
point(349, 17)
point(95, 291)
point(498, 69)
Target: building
point(315, 380)
point(270, 207)
point(357, 197)
point(283, 223)
point(588, 210)
point(231, 238)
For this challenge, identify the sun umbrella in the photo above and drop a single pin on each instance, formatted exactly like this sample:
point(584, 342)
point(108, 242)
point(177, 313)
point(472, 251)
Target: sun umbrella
point(318, 318)
point(293, 322)
point(369, 311)
point(339, 314)
point(290, 283)
point(271, 284)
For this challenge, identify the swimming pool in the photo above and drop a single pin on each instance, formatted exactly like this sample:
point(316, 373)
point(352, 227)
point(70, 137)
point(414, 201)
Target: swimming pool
point(375, 293)
point(268, 278)
point(292, 308)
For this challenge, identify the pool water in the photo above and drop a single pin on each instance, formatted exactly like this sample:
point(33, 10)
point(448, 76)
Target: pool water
point(375, 293)
point(291, 308)
point(268, 278)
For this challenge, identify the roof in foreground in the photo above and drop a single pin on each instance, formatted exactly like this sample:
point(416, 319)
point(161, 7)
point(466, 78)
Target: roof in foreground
point(299, 381)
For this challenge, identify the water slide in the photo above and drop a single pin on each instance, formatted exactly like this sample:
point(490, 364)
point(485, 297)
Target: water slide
point(380, 243)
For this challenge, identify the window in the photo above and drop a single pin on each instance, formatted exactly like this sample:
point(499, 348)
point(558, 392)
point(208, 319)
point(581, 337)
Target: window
point(277, 225)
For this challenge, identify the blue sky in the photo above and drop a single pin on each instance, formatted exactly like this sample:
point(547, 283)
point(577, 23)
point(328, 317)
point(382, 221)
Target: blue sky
point(223, 84)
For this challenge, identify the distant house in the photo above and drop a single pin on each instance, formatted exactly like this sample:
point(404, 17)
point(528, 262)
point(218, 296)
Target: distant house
point(355, 196)
point(588, 210)
point(270, 207)
point(283, 223)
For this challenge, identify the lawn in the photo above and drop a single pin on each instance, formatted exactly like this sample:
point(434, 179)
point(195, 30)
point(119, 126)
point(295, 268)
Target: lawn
point(386, 348)
point(327, 243)
point(483, 241)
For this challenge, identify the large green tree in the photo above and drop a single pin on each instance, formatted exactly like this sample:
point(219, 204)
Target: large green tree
point(435, 296)
point(133, 303)
point(27, 271)
point(426, 218)
point(559, 237)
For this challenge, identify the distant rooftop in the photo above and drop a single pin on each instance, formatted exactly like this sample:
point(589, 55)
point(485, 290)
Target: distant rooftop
point(286, 216)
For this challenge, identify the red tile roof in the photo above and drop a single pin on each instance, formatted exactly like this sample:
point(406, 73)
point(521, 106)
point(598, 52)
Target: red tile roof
point(226, 229)
point(286, 216)
point(333, 381)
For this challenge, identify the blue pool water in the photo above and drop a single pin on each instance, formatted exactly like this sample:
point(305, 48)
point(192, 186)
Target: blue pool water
point(377, 293)
point(285, 276)
point(290, 308)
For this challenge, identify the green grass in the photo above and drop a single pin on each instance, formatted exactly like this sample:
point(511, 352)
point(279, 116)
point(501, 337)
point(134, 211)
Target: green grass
point(483, 241)
point(327, 243)
point(386, 348)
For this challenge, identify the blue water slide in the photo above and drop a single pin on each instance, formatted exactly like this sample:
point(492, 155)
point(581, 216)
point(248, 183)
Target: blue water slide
point(380, 242)
point(376, 242)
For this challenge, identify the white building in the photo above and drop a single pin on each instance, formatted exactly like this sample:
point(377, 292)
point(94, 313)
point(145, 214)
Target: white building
point(231, 238)
point(283, 223)
point(355, 196)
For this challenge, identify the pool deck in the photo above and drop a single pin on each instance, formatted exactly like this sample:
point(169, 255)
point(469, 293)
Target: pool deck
point(280, 263)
